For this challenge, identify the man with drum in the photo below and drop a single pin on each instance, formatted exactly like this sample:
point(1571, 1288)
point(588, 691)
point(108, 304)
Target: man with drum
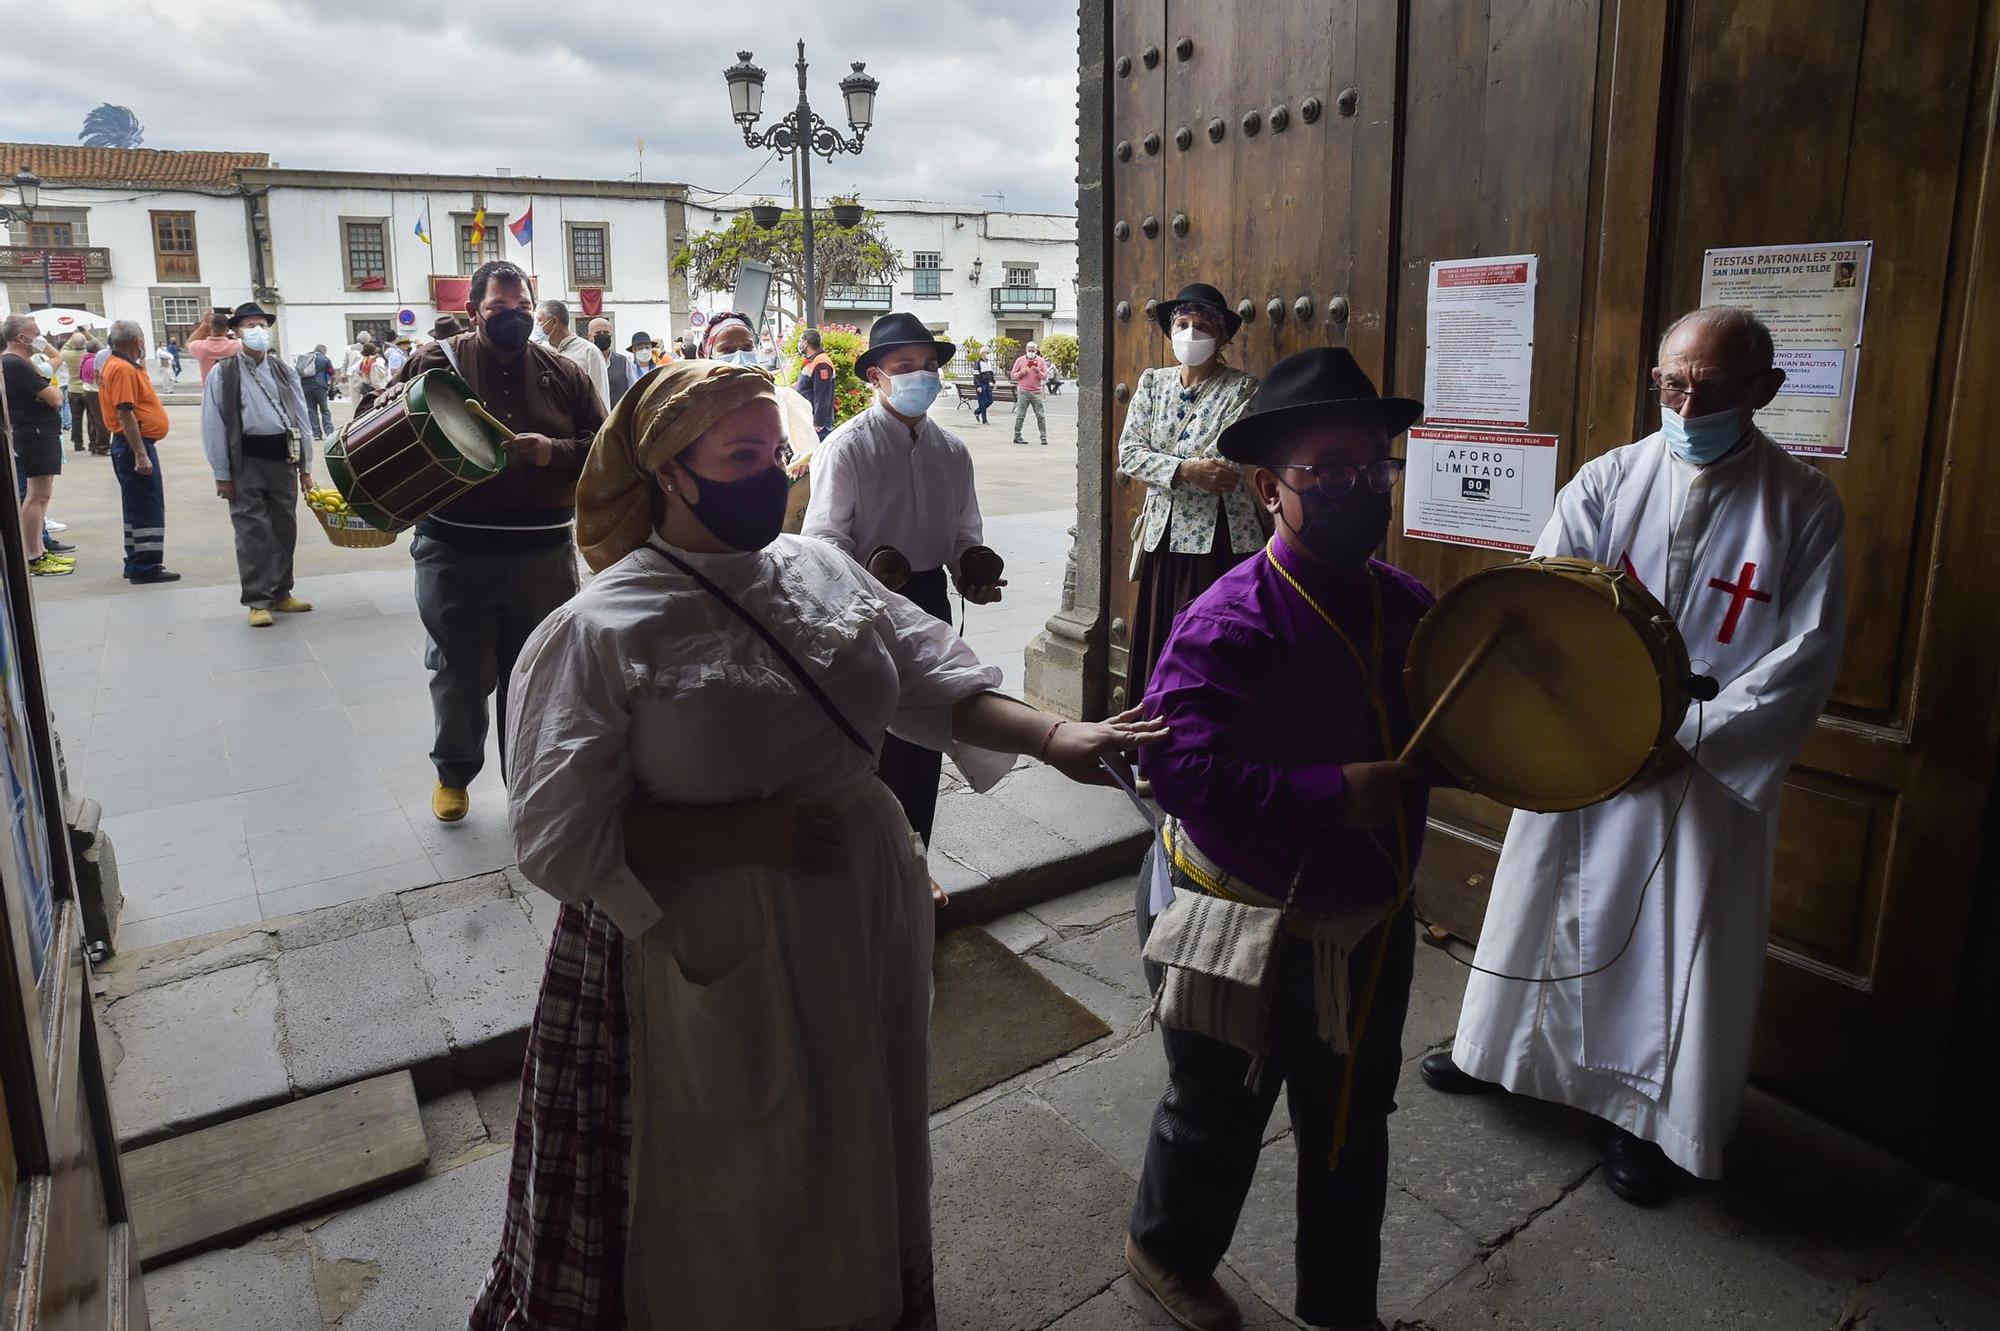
point(256, 432)
point(492, 563)
point(1281, 690)
point(1650, 911)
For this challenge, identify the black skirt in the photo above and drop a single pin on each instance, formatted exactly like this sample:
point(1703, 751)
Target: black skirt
point(1167, 582)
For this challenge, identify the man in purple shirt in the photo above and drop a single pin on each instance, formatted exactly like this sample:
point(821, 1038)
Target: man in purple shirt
point(1281, 688)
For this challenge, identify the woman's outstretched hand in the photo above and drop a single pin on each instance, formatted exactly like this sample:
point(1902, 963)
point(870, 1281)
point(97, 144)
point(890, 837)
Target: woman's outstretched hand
point(1076, 747)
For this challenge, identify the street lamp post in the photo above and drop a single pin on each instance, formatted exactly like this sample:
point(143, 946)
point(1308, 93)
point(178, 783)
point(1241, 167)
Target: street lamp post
point(30, 186)
point(801, 129)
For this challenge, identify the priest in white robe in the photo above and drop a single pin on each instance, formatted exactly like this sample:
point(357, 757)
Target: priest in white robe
point(1742, 543)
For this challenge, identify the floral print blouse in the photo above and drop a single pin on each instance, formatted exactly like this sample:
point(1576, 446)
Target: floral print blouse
point(1166, 425)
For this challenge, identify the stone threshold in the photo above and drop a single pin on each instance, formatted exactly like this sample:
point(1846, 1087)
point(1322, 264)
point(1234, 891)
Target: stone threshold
point(442, 980)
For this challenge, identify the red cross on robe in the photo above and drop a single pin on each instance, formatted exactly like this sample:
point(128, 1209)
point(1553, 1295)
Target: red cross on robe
point(1739, 591)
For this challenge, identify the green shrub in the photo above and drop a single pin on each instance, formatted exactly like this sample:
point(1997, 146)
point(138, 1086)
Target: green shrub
point(1005, 352)
point(1062, 350)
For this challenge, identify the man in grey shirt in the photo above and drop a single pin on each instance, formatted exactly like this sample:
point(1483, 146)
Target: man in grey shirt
point(255, 432)
point(553, 316)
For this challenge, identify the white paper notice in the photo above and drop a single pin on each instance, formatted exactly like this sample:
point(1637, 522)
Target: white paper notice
point(1815, 299)
point(1476, 487)
point(1479, 341)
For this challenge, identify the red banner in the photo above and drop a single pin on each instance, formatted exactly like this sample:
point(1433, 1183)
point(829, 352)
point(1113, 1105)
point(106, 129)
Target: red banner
point(591, 299)
point(450, 294)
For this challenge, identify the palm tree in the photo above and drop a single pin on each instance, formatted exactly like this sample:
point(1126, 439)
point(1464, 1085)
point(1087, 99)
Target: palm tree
point(111, 126)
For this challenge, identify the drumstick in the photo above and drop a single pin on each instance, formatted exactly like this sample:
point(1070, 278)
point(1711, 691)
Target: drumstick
point(1451, 690)
point(472, 404)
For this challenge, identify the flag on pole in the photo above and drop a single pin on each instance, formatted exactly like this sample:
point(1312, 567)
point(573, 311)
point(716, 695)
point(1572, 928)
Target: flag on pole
point(523, 227)
point(478, 237)
point(424, 224)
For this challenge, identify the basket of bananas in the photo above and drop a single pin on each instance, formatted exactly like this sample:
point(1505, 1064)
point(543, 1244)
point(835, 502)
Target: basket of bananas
point(343, 526)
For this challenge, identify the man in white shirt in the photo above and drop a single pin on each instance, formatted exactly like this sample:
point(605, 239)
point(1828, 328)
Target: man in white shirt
point(1742, 544)
point(255, 433)
point(894, 490)
point(553, 316)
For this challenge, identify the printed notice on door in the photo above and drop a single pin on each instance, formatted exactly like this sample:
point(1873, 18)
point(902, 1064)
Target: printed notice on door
point(1479, 487)
point(1479, 341)
point(1814, 298)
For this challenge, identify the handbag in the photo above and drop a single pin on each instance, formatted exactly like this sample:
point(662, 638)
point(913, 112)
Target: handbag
point(792, 663)
point(1219, 956)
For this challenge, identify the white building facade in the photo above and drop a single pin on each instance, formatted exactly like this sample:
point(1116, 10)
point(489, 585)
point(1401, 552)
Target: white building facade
point(161, 237)
point(966, 271)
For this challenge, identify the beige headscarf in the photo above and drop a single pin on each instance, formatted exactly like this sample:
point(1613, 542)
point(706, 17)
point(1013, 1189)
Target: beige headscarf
point(658, 419)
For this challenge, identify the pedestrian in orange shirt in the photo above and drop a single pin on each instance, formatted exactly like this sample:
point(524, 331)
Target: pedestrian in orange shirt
point(128, 400)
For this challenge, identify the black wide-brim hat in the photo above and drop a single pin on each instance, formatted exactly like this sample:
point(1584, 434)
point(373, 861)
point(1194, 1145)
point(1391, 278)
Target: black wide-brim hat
point(1320, 386)
point(251, 310)
point(1163, 314)
point(900, 330)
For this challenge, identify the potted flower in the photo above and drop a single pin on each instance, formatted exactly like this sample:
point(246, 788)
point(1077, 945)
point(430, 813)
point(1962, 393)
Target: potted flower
point(847, 210)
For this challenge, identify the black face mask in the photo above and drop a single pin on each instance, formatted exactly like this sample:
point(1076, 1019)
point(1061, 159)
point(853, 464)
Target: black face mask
point(603, 341)
point(1345, 530)
point(746, 514)
point(509, 330)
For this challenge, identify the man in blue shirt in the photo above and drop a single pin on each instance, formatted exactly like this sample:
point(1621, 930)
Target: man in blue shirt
point(316, 378)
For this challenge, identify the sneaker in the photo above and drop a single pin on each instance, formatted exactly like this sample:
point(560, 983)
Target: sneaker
point(48, 566)
point(157, 575)
point(1200, 1305)
point(58, 547)
point(51, 524)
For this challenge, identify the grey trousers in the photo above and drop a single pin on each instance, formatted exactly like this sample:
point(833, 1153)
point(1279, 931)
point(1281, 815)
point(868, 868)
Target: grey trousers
point(478, 607)
point(1022, 401)
point(265, 512)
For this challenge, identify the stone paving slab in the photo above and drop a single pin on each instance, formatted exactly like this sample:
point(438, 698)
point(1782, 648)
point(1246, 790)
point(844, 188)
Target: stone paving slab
point(265, 1284)
point(1028, 1219)
point(1127, 1307)
point(1099, 819)
point(484, 961)
point(194, 1052)
point(1110, 954)
point(1111, 1099)
point(358, 1007)
point(428, 1248)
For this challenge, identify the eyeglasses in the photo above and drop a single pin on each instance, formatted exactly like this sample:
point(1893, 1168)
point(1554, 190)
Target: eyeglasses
point(1673, 391)
point(1334, 479)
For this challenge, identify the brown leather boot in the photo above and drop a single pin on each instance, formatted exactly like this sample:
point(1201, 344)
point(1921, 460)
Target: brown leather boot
point(1198, 1304)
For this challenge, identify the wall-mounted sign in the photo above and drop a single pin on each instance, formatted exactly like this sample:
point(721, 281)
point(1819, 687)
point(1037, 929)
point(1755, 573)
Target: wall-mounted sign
point(406, 317)
point(1814, 299)
point(1479, 341)
point(1488, 488)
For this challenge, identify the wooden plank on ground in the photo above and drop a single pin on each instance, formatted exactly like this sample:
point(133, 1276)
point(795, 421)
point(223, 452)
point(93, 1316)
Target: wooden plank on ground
point(239, 1178)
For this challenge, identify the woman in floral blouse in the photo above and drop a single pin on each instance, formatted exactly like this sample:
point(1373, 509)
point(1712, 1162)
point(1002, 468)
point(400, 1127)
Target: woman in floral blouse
point(1198, 521)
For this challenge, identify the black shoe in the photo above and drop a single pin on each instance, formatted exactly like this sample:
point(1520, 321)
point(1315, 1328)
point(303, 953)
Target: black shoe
point(1441, 1074)
point(1637, 1170)
point(56, 547)
point(157, 575)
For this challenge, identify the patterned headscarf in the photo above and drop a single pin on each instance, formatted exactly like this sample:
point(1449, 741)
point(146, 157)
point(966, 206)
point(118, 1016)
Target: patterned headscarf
point(658, 419)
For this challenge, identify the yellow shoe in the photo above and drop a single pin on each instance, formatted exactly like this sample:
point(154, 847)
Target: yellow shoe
point(260, 619)
point(449, 803)
point(292, 605)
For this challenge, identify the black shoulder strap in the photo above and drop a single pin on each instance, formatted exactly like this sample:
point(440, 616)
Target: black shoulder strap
point(771, 639)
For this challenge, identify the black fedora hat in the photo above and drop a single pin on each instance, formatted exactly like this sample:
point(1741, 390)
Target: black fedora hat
point(447, 325)
point(640, 340)
point(1207, 295)
point(900, 330)
point(250, 309)
point(1320, 385)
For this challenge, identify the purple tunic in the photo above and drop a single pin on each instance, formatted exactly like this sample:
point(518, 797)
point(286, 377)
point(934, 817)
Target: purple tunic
point(1265, 705)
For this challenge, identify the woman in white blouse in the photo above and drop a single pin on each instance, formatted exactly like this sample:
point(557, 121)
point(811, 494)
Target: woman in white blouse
point(1199, 520)
point(727, 1065)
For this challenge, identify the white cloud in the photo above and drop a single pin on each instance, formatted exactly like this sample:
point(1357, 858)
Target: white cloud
point(977, 98)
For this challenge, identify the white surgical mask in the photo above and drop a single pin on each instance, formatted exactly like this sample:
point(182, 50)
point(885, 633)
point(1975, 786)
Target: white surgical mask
point(257, 339)
point(1192, 348)
point(738, 358)
point(642, 354)
point(912, 394)
point(1701, 439)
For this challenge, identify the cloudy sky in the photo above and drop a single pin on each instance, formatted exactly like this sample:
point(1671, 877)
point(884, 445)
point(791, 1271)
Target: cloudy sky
point(978, 97)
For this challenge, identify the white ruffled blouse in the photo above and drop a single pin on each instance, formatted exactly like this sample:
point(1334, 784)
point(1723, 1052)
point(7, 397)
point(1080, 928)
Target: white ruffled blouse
point(645, 686)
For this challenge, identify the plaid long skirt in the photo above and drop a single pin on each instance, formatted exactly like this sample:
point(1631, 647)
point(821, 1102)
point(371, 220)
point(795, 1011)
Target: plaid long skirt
point(561, 1265)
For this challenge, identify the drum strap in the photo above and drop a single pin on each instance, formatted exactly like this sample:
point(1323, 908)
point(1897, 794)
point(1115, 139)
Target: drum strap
point(451, 357)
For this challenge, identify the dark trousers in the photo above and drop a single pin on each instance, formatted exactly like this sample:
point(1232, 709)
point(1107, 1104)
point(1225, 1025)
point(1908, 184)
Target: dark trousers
point(910, 771)
point(985, 403)
point(100, 429)
point(144, 500)
point(319, 412)
point(264, 510)
point(1209, 1129)
point(80, 410)
point(478, 608)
